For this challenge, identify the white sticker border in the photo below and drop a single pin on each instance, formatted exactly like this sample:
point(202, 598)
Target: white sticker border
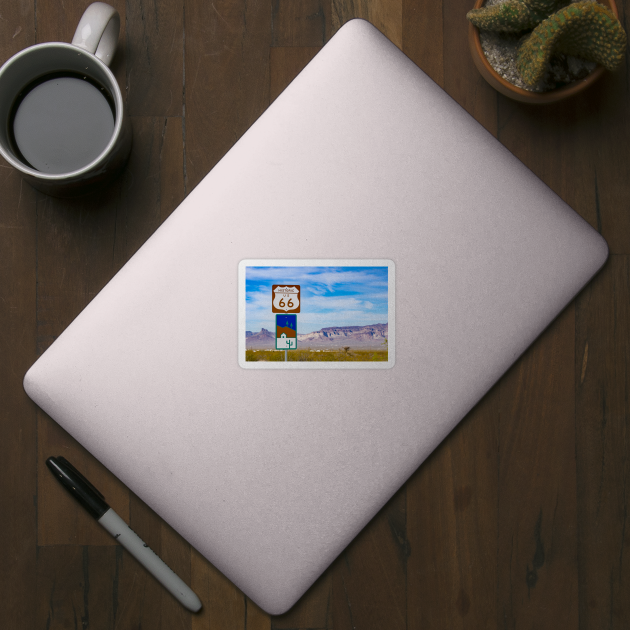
point(318, 365)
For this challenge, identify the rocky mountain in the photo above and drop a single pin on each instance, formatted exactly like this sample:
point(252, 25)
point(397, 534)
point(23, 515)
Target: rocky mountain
point(333, 336)
point(260, 339)
point(351, 334)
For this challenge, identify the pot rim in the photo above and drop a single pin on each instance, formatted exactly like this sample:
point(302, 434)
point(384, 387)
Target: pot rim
point(512, 91)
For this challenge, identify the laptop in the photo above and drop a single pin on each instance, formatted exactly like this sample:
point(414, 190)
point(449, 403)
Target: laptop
point(316, 316)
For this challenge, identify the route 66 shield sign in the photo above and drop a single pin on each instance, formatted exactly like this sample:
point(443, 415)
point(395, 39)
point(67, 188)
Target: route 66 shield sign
point(286, 298)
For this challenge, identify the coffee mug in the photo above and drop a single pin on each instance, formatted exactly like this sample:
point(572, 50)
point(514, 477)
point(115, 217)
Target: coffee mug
point(62, 114)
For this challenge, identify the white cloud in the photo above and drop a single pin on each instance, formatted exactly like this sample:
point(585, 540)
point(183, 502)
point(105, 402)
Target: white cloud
point(315, 275)
point(366, 304)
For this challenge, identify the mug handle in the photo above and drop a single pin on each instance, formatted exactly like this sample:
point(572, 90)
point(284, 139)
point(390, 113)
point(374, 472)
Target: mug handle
point(98, 30)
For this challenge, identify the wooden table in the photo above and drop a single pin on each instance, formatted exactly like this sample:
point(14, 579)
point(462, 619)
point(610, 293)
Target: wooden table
point(518, 520)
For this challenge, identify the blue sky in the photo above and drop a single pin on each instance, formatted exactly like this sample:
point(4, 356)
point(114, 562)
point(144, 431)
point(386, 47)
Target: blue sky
point(330, 296)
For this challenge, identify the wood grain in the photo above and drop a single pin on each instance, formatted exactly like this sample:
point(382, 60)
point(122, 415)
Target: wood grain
point(602, 380)
point(313, 609)
point(452, 515)
point(517, 520)
point(147, 603)
point(285, 64)
point(151, 187)
point(154, 57)
point(300, 23)
point(461, 79)
point(609, 134)
point(573, 149)
point(18, 416)
point(386, 15)
point(369, 577)
point(224, 606)
point(226, 78)
point(76, 587)
point(422, 36)
point(537, 510)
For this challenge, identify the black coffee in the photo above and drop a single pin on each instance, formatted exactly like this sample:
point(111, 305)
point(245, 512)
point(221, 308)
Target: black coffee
point(61, 123)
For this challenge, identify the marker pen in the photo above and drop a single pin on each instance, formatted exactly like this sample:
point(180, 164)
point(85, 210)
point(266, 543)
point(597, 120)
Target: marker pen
point(94, 502)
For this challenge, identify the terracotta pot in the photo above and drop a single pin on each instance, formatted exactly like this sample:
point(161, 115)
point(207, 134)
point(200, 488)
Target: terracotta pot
point(518, 94)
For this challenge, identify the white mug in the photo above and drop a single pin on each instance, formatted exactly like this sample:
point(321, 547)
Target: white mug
point(79, 150)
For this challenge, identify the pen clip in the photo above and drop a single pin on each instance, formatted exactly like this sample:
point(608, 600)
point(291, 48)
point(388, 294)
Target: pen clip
point(69, 466)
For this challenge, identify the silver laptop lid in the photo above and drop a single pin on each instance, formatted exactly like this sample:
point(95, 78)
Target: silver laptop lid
point(364, 183)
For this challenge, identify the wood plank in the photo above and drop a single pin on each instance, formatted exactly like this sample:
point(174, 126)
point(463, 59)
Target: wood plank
point(152, 185)
point(452, 526)
point(608, 127)
point(558, 147)
point(313, 610)
point(603, 468)
point(572, 147)
point(423, 36)
point(224, 606)
point(18, 421)
point(143, 601)
point(154, 57)
point(76, 587)
point(285, 64)
point(17, 28)
point(607, 124)
point(18, 415)
point(74, 248)
point(171, 159)
point(386, 15)
point(226, 78)
point(255, 618)
point(369, 577)
point(461, 78)
point(565, 148)
point(300, 22)
point(537, 537)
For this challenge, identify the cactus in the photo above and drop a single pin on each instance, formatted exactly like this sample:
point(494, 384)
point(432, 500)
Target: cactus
point(584, 29)
point(513, 16)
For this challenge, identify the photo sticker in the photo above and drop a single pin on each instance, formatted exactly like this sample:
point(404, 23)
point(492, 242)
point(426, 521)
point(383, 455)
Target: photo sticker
point(316, 314)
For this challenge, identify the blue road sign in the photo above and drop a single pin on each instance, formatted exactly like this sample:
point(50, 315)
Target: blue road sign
point(286, 332)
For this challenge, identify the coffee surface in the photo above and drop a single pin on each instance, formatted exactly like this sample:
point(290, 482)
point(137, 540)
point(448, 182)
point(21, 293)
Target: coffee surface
point(62, 124)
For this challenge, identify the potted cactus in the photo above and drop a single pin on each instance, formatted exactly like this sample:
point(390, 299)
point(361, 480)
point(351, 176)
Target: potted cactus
point(558, 49)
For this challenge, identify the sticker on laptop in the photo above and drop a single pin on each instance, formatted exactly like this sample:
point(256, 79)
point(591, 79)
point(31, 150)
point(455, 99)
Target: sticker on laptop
point(316, 314)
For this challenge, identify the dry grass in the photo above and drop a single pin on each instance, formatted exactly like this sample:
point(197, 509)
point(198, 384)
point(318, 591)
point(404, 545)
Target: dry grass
point(338, 354)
